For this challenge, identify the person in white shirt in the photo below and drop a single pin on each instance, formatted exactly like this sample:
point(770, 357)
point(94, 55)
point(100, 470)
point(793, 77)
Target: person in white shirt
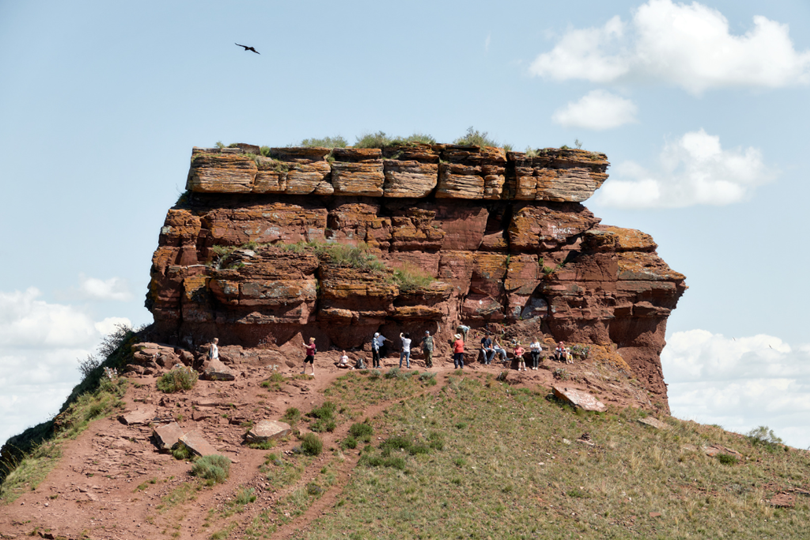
point(406, 350)
point(213, 350)
point(344, 361)
point(535, 348)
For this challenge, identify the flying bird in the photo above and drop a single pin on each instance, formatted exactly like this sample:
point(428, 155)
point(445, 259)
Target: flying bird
point(248, 48)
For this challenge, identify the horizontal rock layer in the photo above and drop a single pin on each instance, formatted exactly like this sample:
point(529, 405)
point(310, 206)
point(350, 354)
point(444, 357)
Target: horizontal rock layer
point(414, 171)
point(256, 270)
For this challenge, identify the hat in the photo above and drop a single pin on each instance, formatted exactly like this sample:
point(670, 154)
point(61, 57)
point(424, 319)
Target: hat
point(458, 336)
point(427, 332)
point(376, 334)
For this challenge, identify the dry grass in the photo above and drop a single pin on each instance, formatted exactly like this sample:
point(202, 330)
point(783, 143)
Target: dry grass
point(511, 468)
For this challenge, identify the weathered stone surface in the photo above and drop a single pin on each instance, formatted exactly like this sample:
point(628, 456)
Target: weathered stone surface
point(358, 172)
point(166, 436)
point(217, 371)
point(221, 173)
point(266, 430)
point(653, 422)
point(196, 443)
point(409, 178)
point(138, 416)
point(712, 450)
point(579, 398)
point(226, 266)
point(557, 175)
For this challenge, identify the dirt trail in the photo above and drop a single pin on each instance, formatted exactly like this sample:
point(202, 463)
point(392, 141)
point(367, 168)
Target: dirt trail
point(111, 483)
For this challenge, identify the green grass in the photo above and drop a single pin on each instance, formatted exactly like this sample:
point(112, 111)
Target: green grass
point(381, 140)
point(507, 473)
point(325, 142)
point(283, 471)
point(473, 137)
point(177, 379)
point(214, 469)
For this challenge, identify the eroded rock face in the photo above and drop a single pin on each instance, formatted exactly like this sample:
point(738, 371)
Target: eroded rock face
point(499, 238)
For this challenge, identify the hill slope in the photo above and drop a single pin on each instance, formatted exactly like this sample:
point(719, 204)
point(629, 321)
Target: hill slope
point(451, 455)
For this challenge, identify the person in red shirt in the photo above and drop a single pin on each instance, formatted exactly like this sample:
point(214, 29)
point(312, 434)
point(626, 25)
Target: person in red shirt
point(519, 352)
point(311, 350)
point(458, 352)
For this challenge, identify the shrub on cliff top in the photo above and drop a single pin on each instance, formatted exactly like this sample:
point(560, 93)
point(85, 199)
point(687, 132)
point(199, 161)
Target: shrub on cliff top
point(476, 138)
point(326, 142)
point(381, 140)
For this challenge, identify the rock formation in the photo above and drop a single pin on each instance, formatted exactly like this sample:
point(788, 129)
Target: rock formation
point(445, 235)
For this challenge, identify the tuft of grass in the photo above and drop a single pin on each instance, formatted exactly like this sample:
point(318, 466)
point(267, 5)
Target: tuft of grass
point(291, 416)
point(177, 379)
point(325, 417)
point(409, 277)
point(214, 469)
point(311, 445)
point(362, 432)
point(181, 452)
point(473, 137)
point(765, 437)
point(245, 495)
point(381, 140)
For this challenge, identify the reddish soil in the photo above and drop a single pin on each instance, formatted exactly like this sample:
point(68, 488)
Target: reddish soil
point(100, 489)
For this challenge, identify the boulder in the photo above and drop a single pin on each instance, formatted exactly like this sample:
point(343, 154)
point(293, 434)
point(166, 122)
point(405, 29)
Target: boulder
point(266, 430)
point(217, 371)
point(166, 436)
point(578, 399)
point(138, 416)
point(196, 443)
point(653, 422)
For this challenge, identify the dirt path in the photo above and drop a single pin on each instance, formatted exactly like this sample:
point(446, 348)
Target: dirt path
point(111, 483)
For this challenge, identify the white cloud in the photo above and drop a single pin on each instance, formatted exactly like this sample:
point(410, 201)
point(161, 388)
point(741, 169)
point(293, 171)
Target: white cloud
point(684, 45)
point(693, 170)
point(597, 110)
point(740, 383)
point(40, 343)
point(110, 289)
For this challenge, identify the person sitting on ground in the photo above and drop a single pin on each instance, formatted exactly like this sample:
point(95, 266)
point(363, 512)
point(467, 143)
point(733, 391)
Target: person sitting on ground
point(344, 361)
point(519, 352)
point(487, 350)
point(406, 349)
point(500, 351)
point(427, 348)
point(559, 352)
point(311, 350)
point(569, 358)
point(535, 348)
point(458, 352)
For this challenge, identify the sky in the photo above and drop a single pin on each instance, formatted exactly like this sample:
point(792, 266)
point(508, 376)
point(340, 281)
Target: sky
point(702, 109)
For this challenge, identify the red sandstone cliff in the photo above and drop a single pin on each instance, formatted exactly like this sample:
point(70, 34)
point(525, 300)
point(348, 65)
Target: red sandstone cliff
point(503, 234)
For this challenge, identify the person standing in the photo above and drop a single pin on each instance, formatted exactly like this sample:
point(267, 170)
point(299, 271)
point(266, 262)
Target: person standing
point(427, 348)
point(381, 339)
point(406, 349)
point(375, 351)
point(458, 352)
point(535, 348)
point(311, 350)
point(213, 350)
point(463, 329)
point(519, 352)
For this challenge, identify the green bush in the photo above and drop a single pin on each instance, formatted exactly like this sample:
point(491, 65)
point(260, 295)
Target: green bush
point(292, 416)
point(177, 379)
point(362, 432)
point(726, 459)
point(475, 138)
point(350, 442)
point(245, 496)
point(311, 444)
point(181, 452)
point(395, 462)
point(765, 437)
point(326, 142)
point(214, 469)
point(373, 140)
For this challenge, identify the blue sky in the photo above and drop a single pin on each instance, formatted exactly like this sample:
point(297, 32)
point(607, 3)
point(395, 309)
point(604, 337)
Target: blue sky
point(700, 107)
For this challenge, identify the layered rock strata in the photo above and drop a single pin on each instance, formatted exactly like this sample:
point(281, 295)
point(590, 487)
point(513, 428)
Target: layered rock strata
point(496, 239)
